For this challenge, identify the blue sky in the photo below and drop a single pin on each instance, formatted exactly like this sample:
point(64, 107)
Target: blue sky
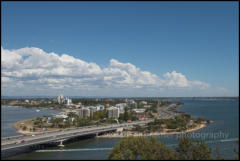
point(198, 40)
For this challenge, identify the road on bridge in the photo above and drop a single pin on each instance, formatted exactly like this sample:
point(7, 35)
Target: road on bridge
point(8, 143)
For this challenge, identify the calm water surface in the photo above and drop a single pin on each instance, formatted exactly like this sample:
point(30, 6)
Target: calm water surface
point(222, 134)
point(11, 114)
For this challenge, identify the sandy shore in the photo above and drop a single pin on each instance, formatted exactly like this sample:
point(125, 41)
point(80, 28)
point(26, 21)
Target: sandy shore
point(116, 135)
point(28, 124)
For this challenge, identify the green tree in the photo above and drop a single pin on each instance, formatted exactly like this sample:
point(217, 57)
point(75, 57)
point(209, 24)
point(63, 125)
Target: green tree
point(132, 148)
point(24, 128)
point(236, 150)
point(72, 115)
point(126, 115)
point(56, 122)
point(218, 156)
point(99, 115)
point(189, 149)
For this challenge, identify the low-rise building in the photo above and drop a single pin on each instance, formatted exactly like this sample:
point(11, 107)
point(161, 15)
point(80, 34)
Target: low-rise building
point(71, 119)
point(26, 101)
point(143, 103)
point(32, 102)
point(107, 105)
point(100, 107)
point(139, 110)
point(140, 113)
point(61, 116)
point(147, 106)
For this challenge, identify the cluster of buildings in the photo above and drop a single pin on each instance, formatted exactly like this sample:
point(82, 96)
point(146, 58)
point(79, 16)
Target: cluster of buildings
point(64, 101)
point(111, 112)
point(30, 102)
point(85, 112)
point(131, 103)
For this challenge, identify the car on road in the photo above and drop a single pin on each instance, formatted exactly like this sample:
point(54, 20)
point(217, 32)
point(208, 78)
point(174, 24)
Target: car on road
point(17, 142)
point(22, 141)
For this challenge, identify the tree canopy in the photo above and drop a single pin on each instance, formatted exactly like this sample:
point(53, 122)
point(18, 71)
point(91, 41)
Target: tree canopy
point(144, 148)
point(132, 148)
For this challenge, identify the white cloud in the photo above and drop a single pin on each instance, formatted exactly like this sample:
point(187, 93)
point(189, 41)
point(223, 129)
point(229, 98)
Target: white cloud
point(6, 79)
point(175, 79)
point(222, 90)
point(122, 74)
point(201, 85)
point(34, 67)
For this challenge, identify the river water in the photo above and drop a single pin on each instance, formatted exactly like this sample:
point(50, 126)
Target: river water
point(12, 114)
point(221, 134)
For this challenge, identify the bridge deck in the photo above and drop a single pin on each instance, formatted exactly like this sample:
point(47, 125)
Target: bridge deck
point(61, 135)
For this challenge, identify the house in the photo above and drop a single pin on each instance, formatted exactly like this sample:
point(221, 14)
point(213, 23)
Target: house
point(143, 103)
point(61, 116)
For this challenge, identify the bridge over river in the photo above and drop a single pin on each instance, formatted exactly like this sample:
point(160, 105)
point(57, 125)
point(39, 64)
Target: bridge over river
point(15, 145)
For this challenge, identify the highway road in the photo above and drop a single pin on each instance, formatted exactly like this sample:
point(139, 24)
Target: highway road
point(57, 135)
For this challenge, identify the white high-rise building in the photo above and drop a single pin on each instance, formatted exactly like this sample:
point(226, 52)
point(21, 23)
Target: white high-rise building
point(60, 98)
point(92, 110)
point(132, 103)
point(69, 102)
point(113, 112)
point(121, 107)
point(83, 112)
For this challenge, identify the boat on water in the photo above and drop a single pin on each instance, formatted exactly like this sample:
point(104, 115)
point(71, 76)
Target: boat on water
point(37, 110)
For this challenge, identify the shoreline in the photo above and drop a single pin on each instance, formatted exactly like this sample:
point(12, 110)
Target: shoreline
point(135, 134)
point(17, 125)
point(45, 108)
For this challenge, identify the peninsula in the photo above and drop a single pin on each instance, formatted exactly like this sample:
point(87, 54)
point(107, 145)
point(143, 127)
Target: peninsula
point(103, 111)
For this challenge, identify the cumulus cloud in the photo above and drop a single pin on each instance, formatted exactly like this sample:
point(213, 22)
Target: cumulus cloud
point(126, 74)
point(175, 79)
point(32, 66)
point(6, 79)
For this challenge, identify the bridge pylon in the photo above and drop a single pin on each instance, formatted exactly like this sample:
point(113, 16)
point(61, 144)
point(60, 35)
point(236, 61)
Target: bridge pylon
point(61, 143)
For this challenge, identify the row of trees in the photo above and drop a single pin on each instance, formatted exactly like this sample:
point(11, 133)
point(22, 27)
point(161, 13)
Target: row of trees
point(180, 123)
point(127, 115)
point(94, 101)
point(143, 148)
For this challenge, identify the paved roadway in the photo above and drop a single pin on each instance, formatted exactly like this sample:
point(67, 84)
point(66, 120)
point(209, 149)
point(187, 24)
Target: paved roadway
point(57, 135)
point(166, 113)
